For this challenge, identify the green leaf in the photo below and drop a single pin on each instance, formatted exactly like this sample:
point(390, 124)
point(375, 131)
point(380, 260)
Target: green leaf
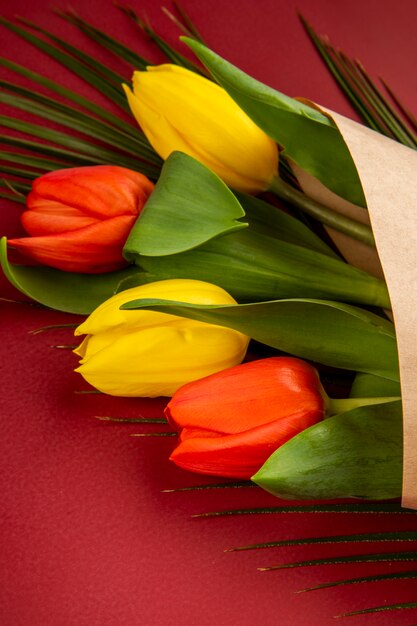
point(267, 219)
point(309, 137)
point(409, 574)
point(177, 236)
point(62, 291)
point(94, 108)
point(171, 53)
point(189, 206)
point(376, 537)
point(38, 163)
point(82, 65)
point(261, 268)
point(325, 332)
point(370, 386)
point(57, 112)
point(104, 40)
point(87, 151)
point(384, 607)
point(365, 508)
point(355, 558)
point(362, 91)
point(354, 454)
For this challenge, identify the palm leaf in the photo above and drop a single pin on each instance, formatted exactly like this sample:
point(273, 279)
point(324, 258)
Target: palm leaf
point(173, 55)
point(378, 609)
point(354, 507)
point(32, 102)
point(70, 95)
point(407, 575)
point(333, 539)
point(343, 560)
point(371, 104)
point(114, 46)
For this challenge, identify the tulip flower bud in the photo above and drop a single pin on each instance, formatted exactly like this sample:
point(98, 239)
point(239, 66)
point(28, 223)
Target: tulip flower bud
point(80, 218)
point(146, 353)
point(232, 421)
point(179, 110)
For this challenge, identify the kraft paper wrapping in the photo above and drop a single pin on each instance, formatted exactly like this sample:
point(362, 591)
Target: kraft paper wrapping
point(388, 172)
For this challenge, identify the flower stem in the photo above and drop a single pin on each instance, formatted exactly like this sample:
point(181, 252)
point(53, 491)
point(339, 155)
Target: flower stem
point(335, 406)
point(324, 214)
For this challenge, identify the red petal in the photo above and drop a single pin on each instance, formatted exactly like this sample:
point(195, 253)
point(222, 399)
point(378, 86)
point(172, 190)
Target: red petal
point(241, 455)
point(248, 395)
point(101, 191)
point(95, 249)
point(51, 217)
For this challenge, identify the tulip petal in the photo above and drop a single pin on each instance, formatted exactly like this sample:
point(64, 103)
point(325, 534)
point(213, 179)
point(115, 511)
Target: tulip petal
point(249, 395)
point(209, 117)
point(240, 455)
point(156, 361)
point(51, 217)
point(179, 110)
point(94, 249)
point(109, 315)
point(100, 191)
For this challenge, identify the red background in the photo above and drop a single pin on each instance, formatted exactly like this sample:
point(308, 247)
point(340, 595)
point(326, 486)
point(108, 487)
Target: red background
point(88, 535)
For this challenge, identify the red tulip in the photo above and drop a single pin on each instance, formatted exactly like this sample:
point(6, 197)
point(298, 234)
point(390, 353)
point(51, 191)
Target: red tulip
point(80, 218)
point(232, 421)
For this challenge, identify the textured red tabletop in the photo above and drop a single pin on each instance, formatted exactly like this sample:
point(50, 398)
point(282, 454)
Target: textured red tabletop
point(89, 535)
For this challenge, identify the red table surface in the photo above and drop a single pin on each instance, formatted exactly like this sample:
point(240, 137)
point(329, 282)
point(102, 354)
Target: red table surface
point(88, 534)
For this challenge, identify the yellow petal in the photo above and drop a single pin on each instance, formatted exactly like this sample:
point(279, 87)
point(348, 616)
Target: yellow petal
point(154, 362)
point(109, 316)
point(179, 110)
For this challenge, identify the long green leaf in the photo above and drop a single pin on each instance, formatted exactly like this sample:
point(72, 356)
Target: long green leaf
point(322, 152)
point(37, 163)
point(109, 43)
point(55, 111)
point(325, 332)
point(69, 156)
point(171, 53)
point(62, 291)
point(87, 151)
point(85, 72)
point(407, 575)
point(18, 171)
point(374, 508)
point(369, 386)
point(112, 77)
point(339, 560)
point(355, 454)
point(82, 102)
point(361, 90)
point(379, 609)
point(267, 219)
point(333, 539)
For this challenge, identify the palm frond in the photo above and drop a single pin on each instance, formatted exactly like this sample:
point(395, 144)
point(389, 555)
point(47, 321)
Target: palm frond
point(359, 508)
point(171, 53)
point(383, 557)
point(407, 575)
point(379, 609)
point(334, 539)
point(363, 93)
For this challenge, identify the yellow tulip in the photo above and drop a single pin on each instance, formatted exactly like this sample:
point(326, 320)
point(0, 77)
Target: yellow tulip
point(146, 353)
point(180, 110)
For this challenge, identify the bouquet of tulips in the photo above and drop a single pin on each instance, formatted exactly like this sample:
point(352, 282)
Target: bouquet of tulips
point(177, 278)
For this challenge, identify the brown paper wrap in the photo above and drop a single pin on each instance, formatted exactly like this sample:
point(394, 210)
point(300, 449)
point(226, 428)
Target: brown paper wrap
point(388, 172)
